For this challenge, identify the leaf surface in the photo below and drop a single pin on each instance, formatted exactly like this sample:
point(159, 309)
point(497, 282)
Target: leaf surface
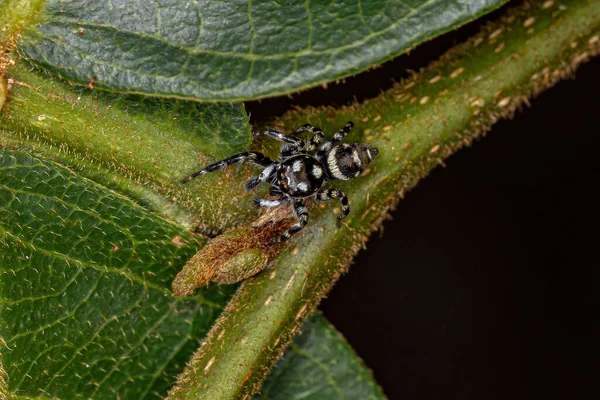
point(234, 50)
point(138, 146)
point(320, 365)
point(415, 125)
point(85, 309)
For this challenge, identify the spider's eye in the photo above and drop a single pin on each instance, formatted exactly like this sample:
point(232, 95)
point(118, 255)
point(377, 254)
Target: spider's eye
point(371, 152)
point(367, 153)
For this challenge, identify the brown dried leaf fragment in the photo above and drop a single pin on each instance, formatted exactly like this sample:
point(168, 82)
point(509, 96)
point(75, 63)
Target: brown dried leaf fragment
point(235, 255)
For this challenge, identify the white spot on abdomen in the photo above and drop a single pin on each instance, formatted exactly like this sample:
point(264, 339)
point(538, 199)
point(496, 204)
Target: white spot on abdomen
point(317, 171)
point(302, 186)
point(297, 166)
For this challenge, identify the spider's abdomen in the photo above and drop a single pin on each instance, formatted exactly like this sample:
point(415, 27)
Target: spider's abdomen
point(300, 176)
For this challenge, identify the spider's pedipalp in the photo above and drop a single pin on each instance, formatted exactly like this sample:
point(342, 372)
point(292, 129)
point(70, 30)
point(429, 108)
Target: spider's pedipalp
point(314, 141)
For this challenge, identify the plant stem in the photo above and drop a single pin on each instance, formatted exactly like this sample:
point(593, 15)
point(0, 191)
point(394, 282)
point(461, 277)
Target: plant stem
point(415, 126)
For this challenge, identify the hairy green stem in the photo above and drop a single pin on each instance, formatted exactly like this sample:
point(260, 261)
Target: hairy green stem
point(415, 125)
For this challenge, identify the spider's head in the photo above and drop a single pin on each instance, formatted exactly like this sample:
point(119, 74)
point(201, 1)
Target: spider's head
point(348, 161)
point(366, 153)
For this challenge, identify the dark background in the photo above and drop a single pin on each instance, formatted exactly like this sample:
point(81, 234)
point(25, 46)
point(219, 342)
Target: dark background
point(486, 282)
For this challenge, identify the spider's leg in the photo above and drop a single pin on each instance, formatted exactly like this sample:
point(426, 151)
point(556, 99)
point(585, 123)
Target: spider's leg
point(304, 128)
point(287, 151)
point(280, 137)
point(292, 144)
point(311, 145)
point(257, 158)
point(338, 137)
point(263, 177)
point(314, 141)
point(275, 190)
point(301, 214)
point(335, 194)
point(267, 203)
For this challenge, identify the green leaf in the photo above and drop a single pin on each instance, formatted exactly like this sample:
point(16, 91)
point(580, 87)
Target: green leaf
point(141, 147)
point(320, 365)
point(85, 309)
point(415, 125)
point(85, 305)
point(232, 50)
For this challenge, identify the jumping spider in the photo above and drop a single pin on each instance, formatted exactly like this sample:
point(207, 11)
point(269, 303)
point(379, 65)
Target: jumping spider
point(300, 171)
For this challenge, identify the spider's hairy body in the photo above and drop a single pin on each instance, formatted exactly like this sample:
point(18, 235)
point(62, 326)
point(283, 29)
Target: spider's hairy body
point(300, 176)
point(302, 170)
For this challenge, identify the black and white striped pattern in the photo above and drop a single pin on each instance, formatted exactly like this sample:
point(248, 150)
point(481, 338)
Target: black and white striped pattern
point(301, 214)
point(290, 150)
point(335, 194)
point(338, 137)
point(255, 157)
point(302, 170)
point(345, 162)
point(314, 141)
point(263, 177)
point(279, 136)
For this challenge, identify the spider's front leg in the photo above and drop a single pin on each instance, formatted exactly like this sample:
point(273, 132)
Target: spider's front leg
point(338, 137)
point(301, 214)
point(335, 194)
point(255, 157)
point(293, 144)
point(280, 137)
